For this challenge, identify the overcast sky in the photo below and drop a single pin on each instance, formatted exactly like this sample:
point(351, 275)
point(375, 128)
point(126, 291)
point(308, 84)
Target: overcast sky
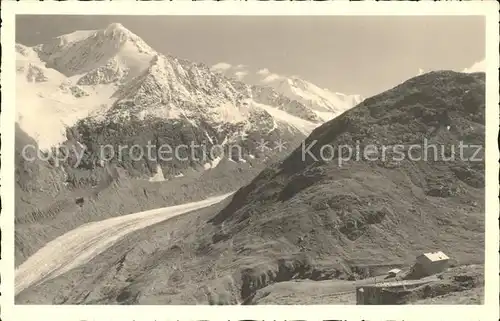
point(349, 54)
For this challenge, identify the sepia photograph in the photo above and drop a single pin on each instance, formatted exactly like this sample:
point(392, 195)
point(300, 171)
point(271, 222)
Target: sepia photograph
point(173, 160)
point(249, 159)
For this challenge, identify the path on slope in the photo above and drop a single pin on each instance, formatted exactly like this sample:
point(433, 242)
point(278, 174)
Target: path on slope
point(80, 245)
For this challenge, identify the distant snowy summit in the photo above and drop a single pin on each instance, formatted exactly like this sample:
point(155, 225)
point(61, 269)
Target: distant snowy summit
point(114, 51)
point(323, 102)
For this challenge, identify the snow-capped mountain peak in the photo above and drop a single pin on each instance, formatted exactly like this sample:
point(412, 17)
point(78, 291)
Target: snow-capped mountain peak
point(118, 35)
point(113, 75)
point(117, 28)
point(73, 75)
point(82, 52)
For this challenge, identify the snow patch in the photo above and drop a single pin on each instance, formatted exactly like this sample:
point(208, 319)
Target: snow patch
point(228, 113)
point(215, 162)
point(82, 146)
point(304, 126)
point(325, 115)
point(158, 176)
point(76, 36)
point(275, 126)
point(44, 112)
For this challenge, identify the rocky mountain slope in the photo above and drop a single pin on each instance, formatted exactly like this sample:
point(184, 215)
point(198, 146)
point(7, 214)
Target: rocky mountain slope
point(101, 105)
point(307, 218)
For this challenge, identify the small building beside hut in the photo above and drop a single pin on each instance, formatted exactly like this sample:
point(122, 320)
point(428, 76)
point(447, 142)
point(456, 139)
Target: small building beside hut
point(393, 273)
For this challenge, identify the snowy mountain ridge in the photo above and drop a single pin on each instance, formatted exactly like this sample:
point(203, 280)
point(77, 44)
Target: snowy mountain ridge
point(168, 84)
point(112, 74)
point(325, 103)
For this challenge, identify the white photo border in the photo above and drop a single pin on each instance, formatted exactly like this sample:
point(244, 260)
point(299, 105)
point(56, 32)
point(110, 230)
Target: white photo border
point(488, 311)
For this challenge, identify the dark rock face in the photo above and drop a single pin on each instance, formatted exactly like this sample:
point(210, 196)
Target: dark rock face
point(361, 198)
point(139, 146)
point(407, 115)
